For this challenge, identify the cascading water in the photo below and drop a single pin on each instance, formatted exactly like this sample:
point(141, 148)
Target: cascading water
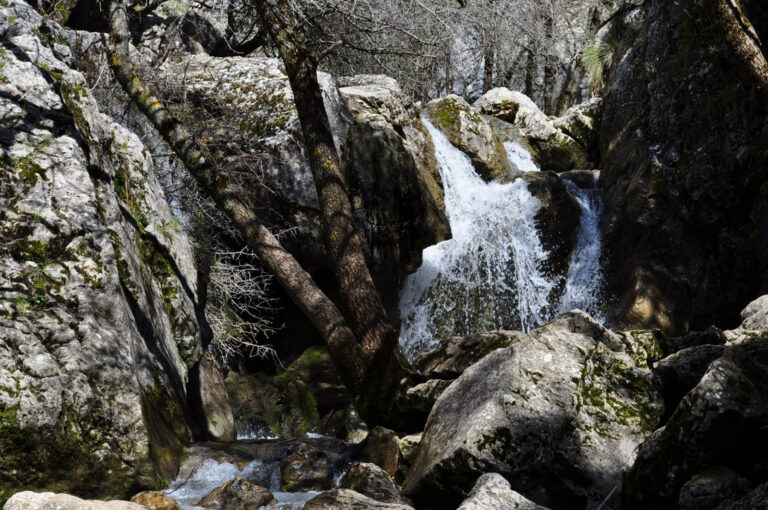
point(490, 274)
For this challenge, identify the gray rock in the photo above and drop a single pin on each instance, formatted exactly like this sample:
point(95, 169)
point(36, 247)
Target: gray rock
point(561, 413)
point(493, 491)
point(460, 352)
point(756, 499)
point(712, 488)
point(409, 447)
point(723, 421)
point(422, 396)
point(682, 371)
point(372, 481)
point(381, 447)
point(345, 499)
point(755, 315)
point(209, 399)
point(49, 501)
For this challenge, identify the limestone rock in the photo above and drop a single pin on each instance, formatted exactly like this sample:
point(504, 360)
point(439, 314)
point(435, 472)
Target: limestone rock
point(460, 352)
point(372, 481)
point(553, 149)
point(49, 501)
point(493, 491)
point(755, 315)
point(560, 413)
point(345, 499)
point(682, 371)
point(581, 123)
point(723, 421)
point(237, 494)
point(155, 500)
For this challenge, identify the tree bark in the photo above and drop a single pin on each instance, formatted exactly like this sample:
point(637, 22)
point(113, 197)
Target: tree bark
point(372, 369)
point(386, 365)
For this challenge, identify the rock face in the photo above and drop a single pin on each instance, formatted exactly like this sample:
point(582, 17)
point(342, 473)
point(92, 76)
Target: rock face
point(493, 491)
point(721, 424)
point(559, 414)
point(100, 320)
point(685, 163)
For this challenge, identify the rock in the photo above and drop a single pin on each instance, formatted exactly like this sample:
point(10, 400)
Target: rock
point(49, 501)
point(469, 132)
point(422, 396)
point(678, 203)
point(307, 468)
point(213, 404)
point(345, 499)
point(682, 371)
point(755, 315)
point(553, 149)
point(372, 481)
point(376, 99)
point(758, 498)
point(100, 317)
point(581, 123)
point(155, 500)
point(382, 448)
point(237, 494)
point(711, 488)
point(723, 421)
point(560, 413)
point(460, 352)
point(493, 491)
point(409, 447)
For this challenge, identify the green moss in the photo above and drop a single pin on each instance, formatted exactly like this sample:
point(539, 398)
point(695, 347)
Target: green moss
point(120, 184)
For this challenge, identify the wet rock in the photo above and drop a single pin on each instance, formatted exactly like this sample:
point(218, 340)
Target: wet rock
point(713, 488)
point(560, 413)
point(460, 352)
point(553, 149)
point(755, 315)
point(381, 447)
point(493, 491)
point(155, 500)
point(237, 494)
point(372, 481)
point(345, 499)
point(49, 501)
point(723, 421)
point(469, 132)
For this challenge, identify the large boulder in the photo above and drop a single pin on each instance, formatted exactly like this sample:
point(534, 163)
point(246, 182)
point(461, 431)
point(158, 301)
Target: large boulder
point(493, 491)
point(345, 499)
point(721, 422)
point(49, 501)
point(237, 494)
point(684, 168)
point(559, 414)
point(552, 148)
point(100, 312)
point(372, 481)
point(755, 315)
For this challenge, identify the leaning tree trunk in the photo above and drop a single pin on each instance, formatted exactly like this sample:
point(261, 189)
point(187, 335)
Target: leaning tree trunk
point(373, 370)
point(362, 302)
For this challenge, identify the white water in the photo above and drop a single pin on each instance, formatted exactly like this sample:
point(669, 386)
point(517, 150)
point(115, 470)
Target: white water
point(489, 275)
point(585, 275)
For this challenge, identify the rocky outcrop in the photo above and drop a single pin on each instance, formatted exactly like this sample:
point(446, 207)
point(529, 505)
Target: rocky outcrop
point(493, 491)
point(49, 501)
point(684, 170)
point(559, 414)
point(100, 314)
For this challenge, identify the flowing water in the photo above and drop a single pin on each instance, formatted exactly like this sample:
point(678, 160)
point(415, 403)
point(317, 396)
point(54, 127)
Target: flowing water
point(490, 274)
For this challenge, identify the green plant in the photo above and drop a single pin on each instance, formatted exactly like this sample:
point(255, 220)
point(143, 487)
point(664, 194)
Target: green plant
point(599, 58)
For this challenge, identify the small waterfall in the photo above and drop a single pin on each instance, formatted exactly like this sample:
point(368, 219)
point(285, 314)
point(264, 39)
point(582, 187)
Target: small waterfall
point(489, 275)
point(583, 286)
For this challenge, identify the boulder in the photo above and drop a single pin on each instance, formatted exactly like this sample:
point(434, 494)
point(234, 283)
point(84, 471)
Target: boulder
point(308, 468)
point(409, 447)
point(382, 448)
point(49, 501)
point(582, 123)
point(421, 397)
point(552, 149)
point(469, 132)
point(755, 315)
point(758, 498)
point(345, 499)
point(372, 481)
point(212, 404)
point(716, 487)
point(682, 371)
point(559, 414)
point(458, 353)
point(237, 494)
point(155, 500)
point(722, 421)
point(492, 491)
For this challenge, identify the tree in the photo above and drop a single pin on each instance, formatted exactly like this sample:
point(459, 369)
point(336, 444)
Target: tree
point(367, 355)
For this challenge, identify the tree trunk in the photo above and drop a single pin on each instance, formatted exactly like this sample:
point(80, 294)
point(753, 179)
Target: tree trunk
point(362, 302)
point(488, 64)
point(373, 370)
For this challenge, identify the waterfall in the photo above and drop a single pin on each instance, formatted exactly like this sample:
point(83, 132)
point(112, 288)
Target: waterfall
point(490, 274)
